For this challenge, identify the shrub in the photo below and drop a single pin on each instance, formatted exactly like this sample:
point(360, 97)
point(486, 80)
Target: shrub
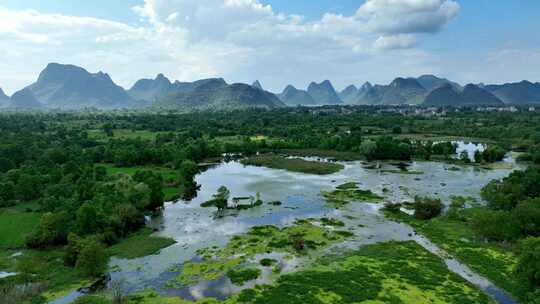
point(495, 225)
point(527, 216)
point(528, 267)
point(92, 260)
point(393, 208)
point(267, 262)
point(239, 277)
point(426, 208)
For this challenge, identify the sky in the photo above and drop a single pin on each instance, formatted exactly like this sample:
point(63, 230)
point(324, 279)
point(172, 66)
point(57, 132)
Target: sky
point(278, 42)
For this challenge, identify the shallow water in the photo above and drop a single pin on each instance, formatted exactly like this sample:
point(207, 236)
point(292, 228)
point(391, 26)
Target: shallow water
point(194, 227)
point(4, 274)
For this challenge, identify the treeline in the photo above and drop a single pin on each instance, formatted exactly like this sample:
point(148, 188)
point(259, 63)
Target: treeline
point(513, 215)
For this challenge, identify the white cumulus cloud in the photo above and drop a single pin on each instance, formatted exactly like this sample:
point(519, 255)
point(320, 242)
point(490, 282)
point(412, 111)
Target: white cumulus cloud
point(241, 40)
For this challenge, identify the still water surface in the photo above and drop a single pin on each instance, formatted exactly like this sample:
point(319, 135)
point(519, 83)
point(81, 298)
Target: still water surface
point(194, 227)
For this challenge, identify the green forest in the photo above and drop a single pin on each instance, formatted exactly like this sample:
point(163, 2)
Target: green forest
point(77, 189)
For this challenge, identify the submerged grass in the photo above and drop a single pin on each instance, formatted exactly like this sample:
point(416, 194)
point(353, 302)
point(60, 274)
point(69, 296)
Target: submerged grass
point(347, 193)
point(457, 238)
point(140, 244)
point(293, 164)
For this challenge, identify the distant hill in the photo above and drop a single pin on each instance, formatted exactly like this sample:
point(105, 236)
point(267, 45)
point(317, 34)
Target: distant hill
point(432, 82)
point(151, 89)
point(4, 99)
point(293, 97)
point(447, 95)
point(473, 94)
point(323, 93)
point(524, 92)
point(216, 94)
point(399, 91)
point(257, 85)
point(349, 95)
point(25, 99)
point(72, 87)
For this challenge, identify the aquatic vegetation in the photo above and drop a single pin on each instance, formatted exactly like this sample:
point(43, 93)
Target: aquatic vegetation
point(332, 222)
point(293, 164)
point(459, 239)
point(266, 262)
point(393, 272)
point(347, 193)
point(92, 300)
point(301, 239)
point(399, 171)
point(140, 244)
point(152, 297)
point(240, 276)
point(207, 270)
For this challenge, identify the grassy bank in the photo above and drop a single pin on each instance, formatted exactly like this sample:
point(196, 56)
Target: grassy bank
point(14, 226)
point(140, 244)
point(293, 164)
point(457, 238)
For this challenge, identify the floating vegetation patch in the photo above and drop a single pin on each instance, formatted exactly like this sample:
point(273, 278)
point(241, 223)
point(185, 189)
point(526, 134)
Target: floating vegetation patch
point(332, 222)
point(208, 270)
point(393, 272)
point(266, 262)
point(301, 239)
point(240, 276)
point(347, 193)
point(293, 164)
point(399, 171)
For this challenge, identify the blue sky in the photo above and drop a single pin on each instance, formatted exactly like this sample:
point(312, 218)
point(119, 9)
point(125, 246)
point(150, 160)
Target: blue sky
point(490, 41)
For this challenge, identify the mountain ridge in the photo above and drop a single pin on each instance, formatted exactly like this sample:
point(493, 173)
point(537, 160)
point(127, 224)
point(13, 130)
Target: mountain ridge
point(447, 95)
point(218, 95)
point(71, 87)
point(323, 93)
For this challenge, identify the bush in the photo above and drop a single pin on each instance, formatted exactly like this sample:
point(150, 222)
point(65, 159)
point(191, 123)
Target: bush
point(427, 208)
point(495, 225)
point(267, 262)
point(92, 260)
point(51, 230)
point(527, 216)
point(507, 193)
point(528, 267)
point(239, 277)
point(393, 208)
